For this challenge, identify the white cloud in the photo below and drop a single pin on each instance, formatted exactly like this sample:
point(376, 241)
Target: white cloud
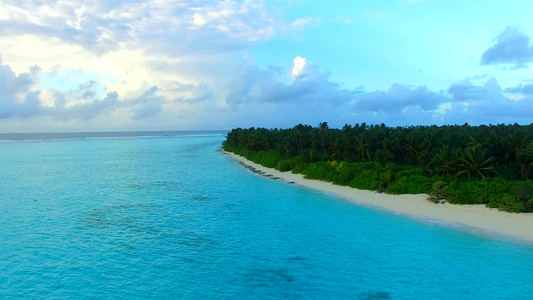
point(299, 66)
point(198, 19)
point(347, 20)
point(305, 22)
point(187, 51)
point(166, 64)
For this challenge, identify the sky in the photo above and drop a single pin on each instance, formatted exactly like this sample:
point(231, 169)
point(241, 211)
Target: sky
point(129, 65)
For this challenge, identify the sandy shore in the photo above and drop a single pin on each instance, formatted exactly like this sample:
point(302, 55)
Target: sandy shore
point(471, 218)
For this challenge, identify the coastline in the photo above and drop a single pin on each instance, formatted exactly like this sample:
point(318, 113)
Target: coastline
point(483, 220)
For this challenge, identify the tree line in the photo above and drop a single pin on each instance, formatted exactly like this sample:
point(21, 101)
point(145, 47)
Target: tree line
point(460, 163)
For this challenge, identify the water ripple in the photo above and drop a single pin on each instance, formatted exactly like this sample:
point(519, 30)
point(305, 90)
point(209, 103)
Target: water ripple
point(172, 218)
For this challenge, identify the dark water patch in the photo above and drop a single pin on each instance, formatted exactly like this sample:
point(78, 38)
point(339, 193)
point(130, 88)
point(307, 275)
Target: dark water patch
point(296, 258)
point(144, 152)
point(126, 247)
point(121, 215)
point(190, 150)
point(200, 198)
point(121, 227)
point(196, 241)
point(375, 296)
point(158, 185)
point(137, 186)
point(166, 185)
point(268, 277)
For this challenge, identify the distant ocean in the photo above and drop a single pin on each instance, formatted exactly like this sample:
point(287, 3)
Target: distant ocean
point(18, 137)
point(166, 215)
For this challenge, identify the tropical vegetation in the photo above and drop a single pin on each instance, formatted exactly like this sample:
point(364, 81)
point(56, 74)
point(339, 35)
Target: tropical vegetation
point(461, 164)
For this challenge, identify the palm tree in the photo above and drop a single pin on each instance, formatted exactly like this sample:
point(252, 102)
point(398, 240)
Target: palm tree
point(444, 162)
point(477, 142)
point(264, 137)
point(397, 146)
point(298, 133)
point(411, 148)
point(361, 148)
point(524, 162)
point(383, 156)
point(323, 129)
point(515, 142)
point(335, 150)
point(474, 162)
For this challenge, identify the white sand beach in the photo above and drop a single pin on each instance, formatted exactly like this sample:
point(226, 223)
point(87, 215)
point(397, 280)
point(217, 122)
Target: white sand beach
point(473, 218)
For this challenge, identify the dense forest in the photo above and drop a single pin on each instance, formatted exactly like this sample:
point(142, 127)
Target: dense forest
point(461, 164)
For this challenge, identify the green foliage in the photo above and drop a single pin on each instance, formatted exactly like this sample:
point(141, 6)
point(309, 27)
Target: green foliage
point(268, 158)
point(437, 191)
point(287, 164)
point(467, 192)
point(524, 191)
point(299, 168)
point(345, 173)
point(320, 170)
point(341, 167)
point(496, 193)
point(462, 163)
point(507, 202)
point(385, 179)
point(366, 180)
point(475, 163)
point(413, 184)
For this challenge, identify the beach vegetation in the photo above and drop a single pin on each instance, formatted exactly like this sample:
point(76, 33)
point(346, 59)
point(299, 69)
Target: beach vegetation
point(460, 164)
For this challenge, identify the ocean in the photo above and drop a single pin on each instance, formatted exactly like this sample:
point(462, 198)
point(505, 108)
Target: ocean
point(155, 215)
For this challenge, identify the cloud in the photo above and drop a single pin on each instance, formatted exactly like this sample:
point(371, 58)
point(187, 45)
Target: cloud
point(462, 102)
point(147, 105)
point(21, 98)
point(83, 111)
point(305, 22)
point(16, 99)
point(192, 93)
point(484, 104)
point(299, 65)
point(465, 90)
point(526, 89)
point(310, 86)
point(273, 97)
point(190, 51)
point(398, 98)
point(512, 47)
point(347, 20)
point(176, 29)
point(149, 64)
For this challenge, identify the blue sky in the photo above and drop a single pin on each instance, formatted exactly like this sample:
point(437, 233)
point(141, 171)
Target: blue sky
point(178, 65)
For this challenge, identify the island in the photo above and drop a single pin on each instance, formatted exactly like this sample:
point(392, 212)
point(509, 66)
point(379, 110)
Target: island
point(420, 172)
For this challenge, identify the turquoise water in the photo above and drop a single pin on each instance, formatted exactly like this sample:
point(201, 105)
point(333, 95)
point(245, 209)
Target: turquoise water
point(171, 217)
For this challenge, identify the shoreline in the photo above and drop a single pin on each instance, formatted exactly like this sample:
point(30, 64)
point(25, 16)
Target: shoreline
point(477, 219)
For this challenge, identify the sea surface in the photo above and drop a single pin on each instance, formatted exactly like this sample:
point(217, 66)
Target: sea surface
point(167, 215)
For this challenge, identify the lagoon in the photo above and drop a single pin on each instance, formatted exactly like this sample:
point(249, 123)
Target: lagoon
point(169, 216)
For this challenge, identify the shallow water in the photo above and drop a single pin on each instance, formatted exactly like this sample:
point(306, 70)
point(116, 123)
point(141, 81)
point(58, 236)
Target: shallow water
point(170, 217)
